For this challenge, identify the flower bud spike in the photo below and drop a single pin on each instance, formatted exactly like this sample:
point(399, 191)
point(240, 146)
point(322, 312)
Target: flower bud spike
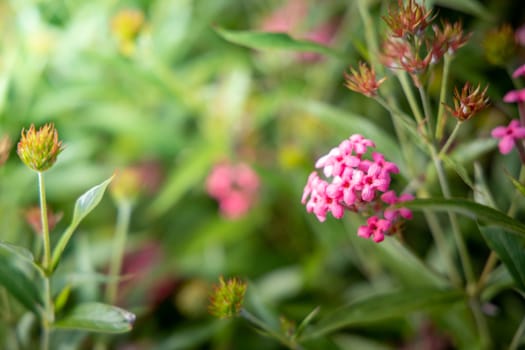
point(39, 149)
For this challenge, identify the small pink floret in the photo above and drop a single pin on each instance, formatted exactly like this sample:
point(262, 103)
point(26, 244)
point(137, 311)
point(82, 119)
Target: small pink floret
point(520, 71)
point(515, 96)
point(508, 135)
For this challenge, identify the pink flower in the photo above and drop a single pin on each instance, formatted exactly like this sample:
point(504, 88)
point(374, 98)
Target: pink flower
point(520, 71)
point(234, 186)
point(508, 135)
point(355, 183)
point(515, 96)
point(375, 228)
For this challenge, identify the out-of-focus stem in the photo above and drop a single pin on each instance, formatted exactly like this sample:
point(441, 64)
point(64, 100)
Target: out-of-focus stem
point(441, 120)
point(450, 139)
point(407, 90)
point(119, 243)
point(517, 336)
point(426, 110)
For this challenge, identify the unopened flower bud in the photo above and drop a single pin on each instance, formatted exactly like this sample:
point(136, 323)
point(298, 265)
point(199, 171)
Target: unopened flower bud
point(39, 149)
point(408, 20)
point(363, 81)
point(469, 102)
point(227, 298)
point(500, 45)
point(126, 186)
point(126, 26)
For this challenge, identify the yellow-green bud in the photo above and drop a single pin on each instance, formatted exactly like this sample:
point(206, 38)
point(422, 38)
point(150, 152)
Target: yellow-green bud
point(39, 149)
point(227, 298)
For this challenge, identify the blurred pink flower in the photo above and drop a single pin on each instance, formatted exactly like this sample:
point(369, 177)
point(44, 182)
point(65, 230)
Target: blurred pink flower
point(356, 184)
point(508, 135)
point(234, 186)
point(519, 72)
point(515, 96)
point(519, 35)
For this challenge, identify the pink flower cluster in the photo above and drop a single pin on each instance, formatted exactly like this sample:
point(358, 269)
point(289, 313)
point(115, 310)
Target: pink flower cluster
point(234, 186)
point(515, 131)
point(357, 184)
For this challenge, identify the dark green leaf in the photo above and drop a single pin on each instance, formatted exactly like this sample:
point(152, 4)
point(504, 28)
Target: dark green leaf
point(97, 317)
point(510, 250)
point(385, 306)
point(482, 213)
point(23, 285)
point(268, 41)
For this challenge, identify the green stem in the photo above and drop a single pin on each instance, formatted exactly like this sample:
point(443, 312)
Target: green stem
point(426, 110)
point(46, 260)
point(407, 90)
point(119, 243)
point(462, 249)
point(487, 269)
point(263, 326)
point(370, 34)
point(441, 120)
point(48, 314)
point(450, 139)
point(517, 336)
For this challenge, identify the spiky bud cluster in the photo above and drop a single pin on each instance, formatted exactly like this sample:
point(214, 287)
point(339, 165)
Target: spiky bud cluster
point(468, 102)
point(39, 149)
point(227, 298)
point(363, 80)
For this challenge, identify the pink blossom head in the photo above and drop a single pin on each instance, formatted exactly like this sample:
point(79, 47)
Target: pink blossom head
point(508, 135)
point(355, 181)
point(234, 186)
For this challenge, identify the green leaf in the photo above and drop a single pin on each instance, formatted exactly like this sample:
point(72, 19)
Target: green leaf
point(20, 252)
point(471, 7)
point(459, 169)
point(518, 185)
point(23, 284)
point(97, 317)
point(268, 41)
point(83, 206)
point(482, 213)
point(385, 306)
point(510, 250)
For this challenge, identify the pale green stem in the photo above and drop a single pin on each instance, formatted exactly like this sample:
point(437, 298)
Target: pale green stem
point(450, 139)
point(119, 244)
point(464, 257)
point(462, 249)
point(48, 315)
point(487, 269)
point(370, 34)
point(5, 302)
point(46, 260)
point(426, 110)
point(517, 336)
point(412, 102)
point(441, 120)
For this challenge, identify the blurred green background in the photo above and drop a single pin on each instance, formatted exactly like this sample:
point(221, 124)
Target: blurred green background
point(157, 88)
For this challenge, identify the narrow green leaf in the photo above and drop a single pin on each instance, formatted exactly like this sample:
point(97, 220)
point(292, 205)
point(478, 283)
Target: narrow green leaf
point(23, 285)
point(482, 213)
point(20, 252)
point(88, 201)
point(83, 206)
point(385, 306)
point(518, 185)
point(459, 169)
point(510, 250)
point(97, 317)
point(268, 41)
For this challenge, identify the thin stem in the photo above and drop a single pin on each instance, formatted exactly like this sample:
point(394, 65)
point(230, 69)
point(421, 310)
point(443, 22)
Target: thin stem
point(481, 323)
point(48, 316)
point(441, 120)
point(462, 249)
point(119, 243)
point(426, 110)
point(403, 80)
point(46, 260)
point(492, 260)
point(450, 139)
point(517, 336)
point(370, 34)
